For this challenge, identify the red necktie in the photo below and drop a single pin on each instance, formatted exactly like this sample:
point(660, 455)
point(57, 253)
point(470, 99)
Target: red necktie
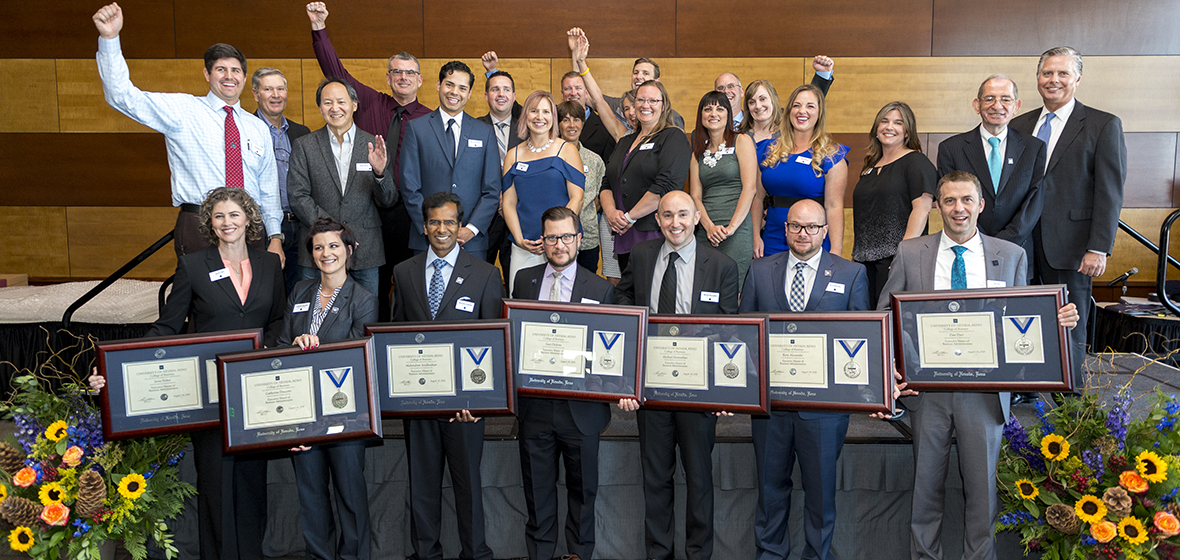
point(233, 151)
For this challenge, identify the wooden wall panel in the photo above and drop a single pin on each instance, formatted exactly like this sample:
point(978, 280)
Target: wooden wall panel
point(34, 241)
point(1106, 84)
point(838, 28)
point(104, 238)
point(536, 28)
point(1129, 253)
point(1151, 165)
point(84, 169)
point(1176, 180)
point(1095, 27)
point(292, 69)
point(65, 30)
point(81, 103)
point(28, 95)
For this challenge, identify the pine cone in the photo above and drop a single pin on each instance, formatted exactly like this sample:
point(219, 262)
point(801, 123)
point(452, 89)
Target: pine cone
point(1063, 518)
point(1117, 501)
point(11, 459)
point(92, 492)
point(20, 511)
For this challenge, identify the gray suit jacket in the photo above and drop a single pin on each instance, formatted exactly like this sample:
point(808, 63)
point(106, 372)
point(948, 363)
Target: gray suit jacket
point(313, 190)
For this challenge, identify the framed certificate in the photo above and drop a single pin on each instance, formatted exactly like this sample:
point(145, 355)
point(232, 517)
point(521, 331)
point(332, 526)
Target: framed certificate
point(165, 384)
point(577, 351)
point(838, 361)
point(993, 339)
point(706, 363)
point(282, 397)
point(438, 368)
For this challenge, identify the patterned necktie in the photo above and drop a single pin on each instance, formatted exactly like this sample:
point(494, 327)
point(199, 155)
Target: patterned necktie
point(994, 162)
point(667, 301)
point(451, 137)
point(233, 151)
point(796, 300)
point(959, 269)
point(502, 138)
point(434, 297)
point(1046, 131)
point(555, 289)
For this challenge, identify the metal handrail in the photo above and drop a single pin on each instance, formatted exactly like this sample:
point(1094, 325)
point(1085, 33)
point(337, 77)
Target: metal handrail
point(1147, 243)
point(1161, 274)
point(143, 256)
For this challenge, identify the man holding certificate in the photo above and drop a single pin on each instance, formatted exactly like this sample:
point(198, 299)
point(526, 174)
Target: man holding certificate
point(959, 257)
point(677, 275)
point(551, 428)
point(806, 278)
point(445, 283)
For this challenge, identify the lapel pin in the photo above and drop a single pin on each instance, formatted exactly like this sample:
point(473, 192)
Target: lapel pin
point(827, 273)
point(995, 263)
point(335, 309)
point(459, 280)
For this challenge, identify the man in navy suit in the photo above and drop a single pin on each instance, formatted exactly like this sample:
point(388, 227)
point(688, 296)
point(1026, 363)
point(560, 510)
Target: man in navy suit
point(806, 278)
point(551, 428)
point(451, 151)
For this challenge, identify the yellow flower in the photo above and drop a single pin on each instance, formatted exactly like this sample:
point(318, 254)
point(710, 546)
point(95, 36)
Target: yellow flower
point(21, 539)
point(1054, 447)
point(1132, 482)
point(1026, 489)
point(1151, 467)
point(132, 486)
point(1090, 509)
point(25, 477)
point(73, 456)
point(51, 493)
point(1166, 523)
point(3, 493)
point(1103, 531)
point(57, 430)
point(1132, 531)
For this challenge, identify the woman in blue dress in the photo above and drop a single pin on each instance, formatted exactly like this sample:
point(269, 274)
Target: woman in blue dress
point(804, 162)
point(546, 173)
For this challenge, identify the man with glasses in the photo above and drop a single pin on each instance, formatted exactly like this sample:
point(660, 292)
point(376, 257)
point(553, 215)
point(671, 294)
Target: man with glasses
point(551, 429)
point(729, 84)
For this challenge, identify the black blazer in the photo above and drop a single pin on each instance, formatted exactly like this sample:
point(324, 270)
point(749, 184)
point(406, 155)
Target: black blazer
point(472, 278)
point(1011, 213)
point(715, 272)
point(1083, 185)
point(214, 305)
point(354, 306)
point(596, 138)
point(513, 138)
point(661, 169)
point(296, 131)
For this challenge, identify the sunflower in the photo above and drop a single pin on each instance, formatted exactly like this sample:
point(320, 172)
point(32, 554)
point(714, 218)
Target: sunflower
point(132, 486)
point(57, 430)
point(1054, 447)
point(1131, 530)
point(1090, 509)
point(1026, 489)
point(1151, 467)
point(3, 493)
point(51, 493)
point(21, 539)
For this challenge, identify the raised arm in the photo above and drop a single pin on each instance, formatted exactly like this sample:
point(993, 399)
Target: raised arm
point(580, 48)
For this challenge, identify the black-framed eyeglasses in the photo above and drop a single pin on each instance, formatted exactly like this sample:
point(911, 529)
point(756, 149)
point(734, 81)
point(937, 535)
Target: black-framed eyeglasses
point(567, 239)
point(811, 229)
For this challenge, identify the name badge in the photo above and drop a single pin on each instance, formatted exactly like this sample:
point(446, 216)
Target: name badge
point(803, 160)
point(522, 166)
point(588, 300)
point(253, 147)
point(364, 166)
point(727, 151)
point(585, 168)
point(647, 146)
point(711, 297)
point(835, 287)
point(996, 284)
point(473, 143)
point(300, 307)
point(465, 304)
point(218, 274)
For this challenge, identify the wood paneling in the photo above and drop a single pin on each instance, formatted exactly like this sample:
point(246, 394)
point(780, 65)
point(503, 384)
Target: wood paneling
point(28, 96)
point(84, 169)
point(835, 28)
point(292, 69)
point(1129, 253)
point(103, 239)
point(34, 241)
point(1176, 180)
point(532, 28)
point(1095, 27)
point(1151, 165)
point(1106, 84)
point(81, 103)
point(65, 30)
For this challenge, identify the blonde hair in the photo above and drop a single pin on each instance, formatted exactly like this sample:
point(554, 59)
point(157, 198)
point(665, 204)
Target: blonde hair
point(821, 144)
point(533, 100)
point(665, 107)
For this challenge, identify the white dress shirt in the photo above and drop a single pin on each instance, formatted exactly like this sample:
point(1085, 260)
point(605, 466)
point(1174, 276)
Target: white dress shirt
point(1057, 126)
point(342, 153)
point(457, 128)
point(502, 133)
point(973, 258)
point(987, 148)
point(809, 273)
point(567, 283)
point(446, 271)
point(686, 267)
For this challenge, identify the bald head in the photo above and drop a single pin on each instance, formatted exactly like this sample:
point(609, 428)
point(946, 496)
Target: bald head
point(729, 84)
point(678, 217)
point(806, 215)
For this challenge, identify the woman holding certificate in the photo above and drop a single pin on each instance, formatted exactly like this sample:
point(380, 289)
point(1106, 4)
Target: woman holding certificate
point(324, 309)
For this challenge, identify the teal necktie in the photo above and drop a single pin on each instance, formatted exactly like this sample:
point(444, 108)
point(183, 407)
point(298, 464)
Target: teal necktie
point(959, 269)
point(995, 162)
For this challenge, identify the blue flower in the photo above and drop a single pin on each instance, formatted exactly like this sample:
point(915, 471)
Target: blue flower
point(1046, 427)
point(1118, 417)
point(1093, 459)
point(1018, 441)
point(1165, 424)
point(1088, 540)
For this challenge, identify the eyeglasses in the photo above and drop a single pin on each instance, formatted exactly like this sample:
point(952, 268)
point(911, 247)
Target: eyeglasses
point(642, 101)
point(991, 100)
point(400, 72)
point(730, 86)
point(566, 239)
point(812, 229)
point(448, 223)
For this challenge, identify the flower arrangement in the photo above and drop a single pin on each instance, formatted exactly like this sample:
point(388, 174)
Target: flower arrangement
point(66, 491)
point(1087, 483)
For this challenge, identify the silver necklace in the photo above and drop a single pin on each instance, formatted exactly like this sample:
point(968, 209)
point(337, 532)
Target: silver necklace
point(529, 143)
point(711, 158)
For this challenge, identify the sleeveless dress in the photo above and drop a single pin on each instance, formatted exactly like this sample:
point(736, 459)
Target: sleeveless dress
point(793, 178)
point(721, 187)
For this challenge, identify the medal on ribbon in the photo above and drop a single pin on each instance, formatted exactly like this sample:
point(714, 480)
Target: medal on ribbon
point(339, 400)
point(478, 375)
point(851, 369)
point(607, 360)
point(731, 370)
point(1023, 345)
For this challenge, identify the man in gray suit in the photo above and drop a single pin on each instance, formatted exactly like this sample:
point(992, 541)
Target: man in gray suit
point(339, 172)
point(959, 257)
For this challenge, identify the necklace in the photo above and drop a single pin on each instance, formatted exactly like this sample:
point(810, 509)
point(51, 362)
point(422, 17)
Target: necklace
point(541, 149)
point(711, 158)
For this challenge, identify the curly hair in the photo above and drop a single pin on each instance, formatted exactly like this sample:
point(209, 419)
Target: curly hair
point(254, 229)
point(821, 144)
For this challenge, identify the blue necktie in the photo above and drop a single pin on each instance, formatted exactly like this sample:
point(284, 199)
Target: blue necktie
point(959, 269)
point(995, 162)
point(434, 297)
point(1046, 131)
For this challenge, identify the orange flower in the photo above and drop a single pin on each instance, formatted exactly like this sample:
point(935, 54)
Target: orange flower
point(1132, 482)
point(1166, 523)
point(25, 477)
point(73, 456)
point(55, 514)
point(1103, 531)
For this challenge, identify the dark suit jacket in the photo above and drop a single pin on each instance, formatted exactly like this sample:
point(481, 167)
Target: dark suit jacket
point(215, 306)
point(765, 289)
point(355, 305)
point(472, 278)
point(596, 138)
point(513, 138)
point(429, 165)
point(1083, 185)
point(714, 272)
point(1011, 213)
point(296, 131)
point(660, 170)
point(313, 190)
